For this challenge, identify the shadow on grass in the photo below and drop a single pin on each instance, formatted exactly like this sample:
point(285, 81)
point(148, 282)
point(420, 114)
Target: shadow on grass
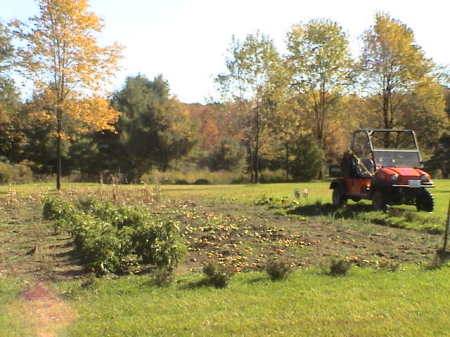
point(195, 284)
point(258, 279)
point(395, 216)
point(319, 209)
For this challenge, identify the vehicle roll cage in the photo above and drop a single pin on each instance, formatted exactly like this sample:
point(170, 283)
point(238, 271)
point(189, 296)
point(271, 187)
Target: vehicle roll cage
point(370, 132)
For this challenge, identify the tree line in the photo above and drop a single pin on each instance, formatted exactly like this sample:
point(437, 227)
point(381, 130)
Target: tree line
point(290, 113)
point(317, 93)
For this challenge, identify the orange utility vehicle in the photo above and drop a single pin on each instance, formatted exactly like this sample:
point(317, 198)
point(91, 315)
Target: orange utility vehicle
point(384, 166)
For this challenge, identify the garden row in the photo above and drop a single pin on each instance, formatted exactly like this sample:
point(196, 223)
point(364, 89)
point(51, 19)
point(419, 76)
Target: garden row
point(110, 238)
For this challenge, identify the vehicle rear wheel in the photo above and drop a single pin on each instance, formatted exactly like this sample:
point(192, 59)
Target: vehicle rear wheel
point(379, 201)
point(338, 197)
point(424, 201)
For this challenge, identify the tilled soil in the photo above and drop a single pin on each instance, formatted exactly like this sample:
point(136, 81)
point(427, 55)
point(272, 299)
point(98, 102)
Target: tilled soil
point(247, 238)
point(241, 236)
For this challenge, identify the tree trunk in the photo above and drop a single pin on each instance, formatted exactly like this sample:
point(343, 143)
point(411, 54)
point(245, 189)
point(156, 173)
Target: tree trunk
point(58, 149)
point(250, 162)
point(257, 131)
point(287, 161)
point(445, 172)
point(386, 118)
point(256, 161)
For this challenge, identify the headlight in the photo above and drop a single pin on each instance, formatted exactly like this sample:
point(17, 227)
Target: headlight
point(424, 178)
point(394, 177)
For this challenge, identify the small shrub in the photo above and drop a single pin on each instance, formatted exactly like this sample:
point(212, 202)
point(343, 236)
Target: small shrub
point(202, 181)
point(117, 216)
point(278, 270)
point(15, 173)
point(159, 243)
point(101, 249)
point(175, 177)
point(338, 267)
point(217, 276)
point(181, 182)
point(60, 211)
point(86, 204)
point(269, 176)
point(264, 200)
point(55, 208)
point(107, 237)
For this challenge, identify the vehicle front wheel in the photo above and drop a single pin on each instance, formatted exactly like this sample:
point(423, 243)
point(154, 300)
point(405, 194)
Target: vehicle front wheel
point(424, 201)
point(379, 201)
point(338, 197)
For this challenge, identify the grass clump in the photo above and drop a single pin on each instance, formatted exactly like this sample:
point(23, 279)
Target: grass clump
point(439, 260)
point(338, 267)
point(216, 275)
point(163, 277)
point(388, 265)
point(278, 270)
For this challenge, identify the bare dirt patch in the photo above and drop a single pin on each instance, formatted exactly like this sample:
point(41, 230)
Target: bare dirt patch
point(42, 312)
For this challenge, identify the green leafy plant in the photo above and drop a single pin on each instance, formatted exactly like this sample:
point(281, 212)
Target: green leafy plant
point(107, 237)
point(159, 243)
point(60, 211)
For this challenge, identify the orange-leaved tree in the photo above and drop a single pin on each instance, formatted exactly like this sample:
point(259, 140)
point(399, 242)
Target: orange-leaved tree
point(60, 54)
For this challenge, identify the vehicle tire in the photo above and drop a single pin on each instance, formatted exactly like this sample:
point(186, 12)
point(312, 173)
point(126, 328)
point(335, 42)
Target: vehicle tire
point(424, 201)
point(379, 201)
point(338, 197)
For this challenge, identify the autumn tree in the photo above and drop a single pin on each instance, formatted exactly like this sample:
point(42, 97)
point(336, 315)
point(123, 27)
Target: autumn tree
point(392, 66)
point(6, 49)
point(250, 66)
point(10, 136)
point(319, 63)
point(205, 118)
point(423, 110)
point(34, 142)
point(60, 54)
point(283, 122)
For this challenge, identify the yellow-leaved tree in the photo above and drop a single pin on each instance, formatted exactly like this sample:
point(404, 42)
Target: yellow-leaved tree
point(393, 65)
point(60, 54)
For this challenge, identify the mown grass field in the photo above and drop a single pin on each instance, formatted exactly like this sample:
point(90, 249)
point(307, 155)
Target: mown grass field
point(240, 226)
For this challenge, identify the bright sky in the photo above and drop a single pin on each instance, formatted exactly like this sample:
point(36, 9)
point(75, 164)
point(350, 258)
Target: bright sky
point(186, 40)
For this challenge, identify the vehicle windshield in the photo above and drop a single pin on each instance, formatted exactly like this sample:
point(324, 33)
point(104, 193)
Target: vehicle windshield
point(395, 149)
point(397, 158)
point(393, 140)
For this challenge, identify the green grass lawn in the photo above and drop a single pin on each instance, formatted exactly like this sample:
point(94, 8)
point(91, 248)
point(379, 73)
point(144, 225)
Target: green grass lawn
point(10, 326)
point(363, 303)
point(366, 302)
point(243, 193)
